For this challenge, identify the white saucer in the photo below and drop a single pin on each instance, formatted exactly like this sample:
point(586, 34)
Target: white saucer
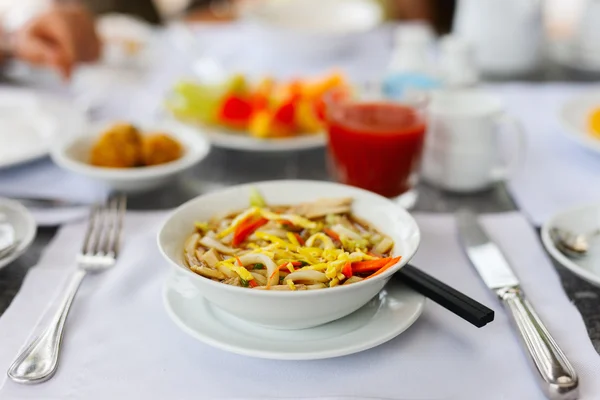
point(581, 220)
point(383, 318)
point(23, 224)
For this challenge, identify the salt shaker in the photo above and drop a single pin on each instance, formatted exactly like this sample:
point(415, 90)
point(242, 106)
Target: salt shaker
point(456, 63)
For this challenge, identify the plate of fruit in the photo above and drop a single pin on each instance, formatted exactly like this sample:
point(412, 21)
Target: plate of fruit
point(580, 117)
point(257, 115)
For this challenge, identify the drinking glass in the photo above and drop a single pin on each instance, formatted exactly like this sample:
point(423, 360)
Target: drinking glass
point(376, 143)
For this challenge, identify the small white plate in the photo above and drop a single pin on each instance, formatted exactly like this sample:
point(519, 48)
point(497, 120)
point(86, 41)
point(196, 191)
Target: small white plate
point(226, 139)
point(29, 122)
point(574, 115)
point(23, 223)
point(580, 220)
point(386, 316)
point(242, 141)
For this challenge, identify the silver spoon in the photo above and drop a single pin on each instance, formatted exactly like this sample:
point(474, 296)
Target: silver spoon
point(574, 245)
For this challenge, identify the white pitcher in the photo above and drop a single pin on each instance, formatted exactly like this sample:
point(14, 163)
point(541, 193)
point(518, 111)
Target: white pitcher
point(506, 35)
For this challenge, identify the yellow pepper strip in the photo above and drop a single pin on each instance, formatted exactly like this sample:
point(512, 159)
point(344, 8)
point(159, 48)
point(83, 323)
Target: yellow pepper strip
point(323, 238)
point(294, 219)
point(317, 267)
point(290, 267)
point(291, 284)
point(276, 240)
point(341, 276)
point(243, 273)
point(334, 282)
point(331, 272)
point(292, 238)
point(237, 220)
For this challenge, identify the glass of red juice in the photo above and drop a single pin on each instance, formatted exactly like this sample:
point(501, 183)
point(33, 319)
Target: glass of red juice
point(376, 144)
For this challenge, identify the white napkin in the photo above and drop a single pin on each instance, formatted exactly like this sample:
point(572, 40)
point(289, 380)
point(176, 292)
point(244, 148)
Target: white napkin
point(557, 173)
point(43, 179)
point(120, 343)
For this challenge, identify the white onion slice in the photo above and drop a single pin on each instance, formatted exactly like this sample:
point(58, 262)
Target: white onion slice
point(257, 258)
point(308, 275)
point(215, 244)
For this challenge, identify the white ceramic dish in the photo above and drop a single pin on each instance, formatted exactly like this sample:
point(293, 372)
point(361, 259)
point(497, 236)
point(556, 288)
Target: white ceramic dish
point(581, 220)
point(23, 224)
point(240, 141)
point(273, 309)
point(381, 319)
point(29, 122)
point(311, 29)
point(72, 154)
point(574, 115)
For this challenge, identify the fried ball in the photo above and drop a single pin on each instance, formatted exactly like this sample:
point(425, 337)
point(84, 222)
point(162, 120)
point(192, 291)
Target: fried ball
point(160, 148)
point(118, 147)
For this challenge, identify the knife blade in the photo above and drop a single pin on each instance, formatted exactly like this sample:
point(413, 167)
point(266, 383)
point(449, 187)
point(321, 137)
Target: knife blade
point(556, 376)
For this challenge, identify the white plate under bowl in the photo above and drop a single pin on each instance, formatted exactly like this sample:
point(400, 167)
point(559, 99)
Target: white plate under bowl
point(386, 316)
point(227, 139)
point(574, 115)
point(72, 154)
point(30, 121)
point(581, 220)
point(23, 224)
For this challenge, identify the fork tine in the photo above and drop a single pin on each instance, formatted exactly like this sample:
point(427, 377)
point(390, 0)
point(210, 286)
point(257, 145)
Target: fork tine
point(108, 222)
point(99, 232)
point(119, 213)
point(89, 233)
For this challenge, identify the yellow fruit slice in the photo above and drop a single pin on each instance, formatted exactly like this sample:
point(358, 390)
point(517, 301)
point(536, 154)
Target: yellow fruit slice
point(594, 123)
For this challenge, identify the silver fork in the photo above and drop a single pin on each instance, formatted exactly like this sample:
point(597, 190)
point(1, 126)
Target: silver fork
point(39, 360)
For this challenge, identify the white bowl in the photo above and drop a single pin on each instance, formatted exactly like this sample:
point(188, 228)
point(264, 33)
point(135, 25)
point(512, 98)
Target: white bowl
point(311, 28)
point(281, 309)
point(574, 115)
point(73, 153)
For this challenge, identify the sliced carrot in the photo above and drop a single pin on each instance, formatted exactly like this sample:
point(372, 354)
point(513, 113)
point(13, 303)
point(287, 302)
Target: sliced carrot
point(369, 266)
point(387, 266)
point(239, 261)
point(331, 234)
point(299, 239)
point(294, 264)
point(247, 228)
point(252, 283)
point(347, 270)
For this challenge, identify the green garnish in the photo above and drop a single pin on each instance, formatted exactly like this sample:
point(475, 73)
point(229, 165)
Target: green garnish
point(244, 282)
point(256, 199)
point(259, 266)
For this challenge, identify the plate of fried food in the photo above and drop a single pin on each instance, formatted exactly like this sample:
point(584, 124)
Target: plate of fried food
point(257, 115)
point(129, 157)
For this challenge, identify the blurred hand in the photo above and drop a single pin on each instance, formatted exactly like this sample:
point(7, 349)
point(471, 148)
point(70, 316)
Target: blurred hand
point(60, 38)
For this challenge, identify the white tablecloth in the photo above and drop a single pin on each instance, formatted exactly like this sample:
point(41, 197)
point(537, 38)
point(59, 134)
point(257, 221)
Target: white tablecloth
point(120, 344)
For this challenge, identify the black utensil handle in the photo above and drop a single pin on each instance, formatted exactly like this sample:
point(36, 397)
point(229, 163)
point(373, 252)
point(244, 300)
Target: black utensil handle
point(451, 299)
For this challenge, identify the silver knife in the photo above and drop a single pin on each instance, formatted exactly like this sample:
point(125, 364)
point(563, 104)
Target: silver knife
point(557, 377)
